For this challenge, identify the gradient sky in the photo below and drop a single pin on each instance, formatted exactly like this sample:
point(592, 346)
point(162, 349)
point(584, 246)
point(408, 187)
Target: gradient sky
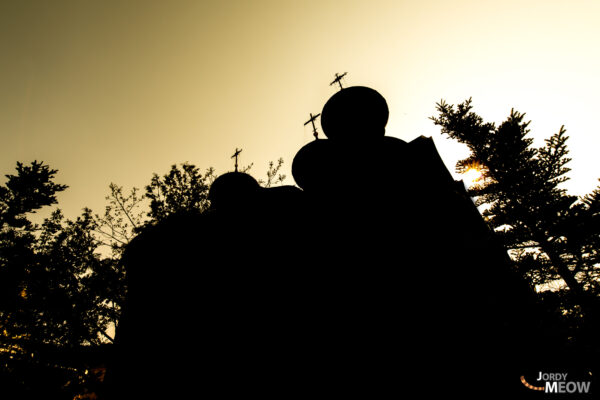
point(112, 91)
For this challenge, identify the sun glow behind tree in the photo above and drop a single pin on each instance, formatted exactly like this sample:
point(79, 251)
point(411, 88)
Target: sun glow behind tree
point(473, 174)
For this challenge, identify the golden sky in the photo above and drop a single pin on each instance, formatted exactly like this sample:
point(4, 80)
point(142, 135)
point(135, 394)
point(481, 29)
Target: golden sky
point(112, 91)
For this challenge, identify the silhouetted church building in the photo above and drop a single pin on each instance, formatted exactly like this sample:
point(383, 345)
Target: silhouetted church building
point(375, 276)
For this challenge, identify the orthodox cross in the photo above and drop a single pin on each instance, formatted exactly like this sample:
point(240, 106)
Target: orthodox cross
point(236, 154)
point(338, 80)
point(312, 120)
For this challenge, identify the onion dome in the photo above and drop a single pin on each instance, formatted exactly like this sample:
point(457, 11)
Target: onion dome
point(353, 113)
point(233, 190)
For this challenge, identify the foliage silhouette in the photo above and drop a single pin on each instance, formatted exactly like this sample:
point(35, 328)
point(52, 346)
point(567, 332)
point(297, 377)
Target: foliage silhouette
point(29, 190)
point(552, 235)
point(61, 294)
point(56, 291)
point(180, 190)
point(122, 218)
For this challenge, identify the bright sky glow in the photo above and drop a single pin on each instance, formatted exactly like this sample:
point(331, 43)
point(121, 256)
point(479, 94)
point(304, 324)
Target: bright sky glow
point(471, 176)
point(112, 91)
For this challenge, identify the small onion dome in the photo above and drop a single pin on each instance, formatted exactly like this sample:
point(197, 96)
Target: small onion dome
point(356, 112)
point(311, 166)
point(232, 190)
point(332, 165)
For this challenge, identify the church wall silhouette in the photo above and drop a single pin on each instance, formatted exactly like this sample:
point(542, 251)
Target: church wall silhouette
point(377, 275)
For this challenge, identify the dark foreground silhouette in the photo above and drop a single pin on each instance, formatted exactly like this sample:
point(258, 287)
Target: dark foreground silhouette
point(377, 277)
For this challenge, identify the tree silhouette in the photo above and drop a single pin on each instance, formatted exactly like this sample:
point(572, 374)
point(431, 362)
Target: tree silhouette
point(274, 178)
point(123, 217)
point(31, 189)
point(551, 235)
point(57, 293)
point(180, 190)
